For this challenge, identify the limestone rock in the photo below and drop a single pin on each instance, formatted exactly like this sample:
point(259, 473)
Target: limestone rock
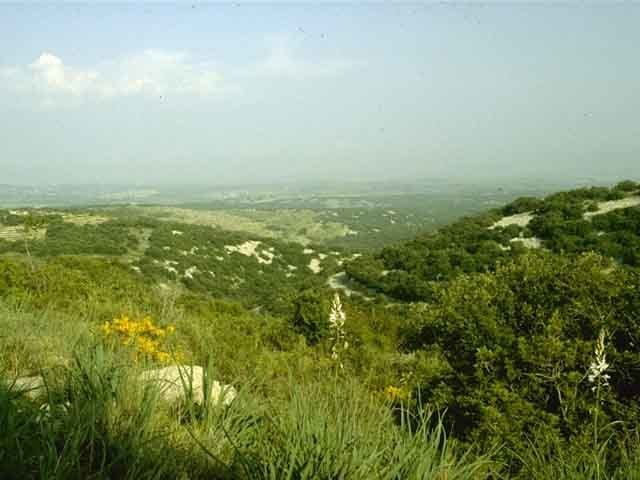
point(175, 381)
point(32, 387)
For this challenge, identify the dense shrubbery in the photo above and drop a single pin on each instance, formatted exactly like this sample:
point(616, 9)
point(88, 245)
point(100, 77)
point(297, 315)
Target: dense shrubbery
point(269, 285)
point(63, 238)
point(74, 283)
point(516, 346)
point(310, 317)
point(467, 246)
point(69, 239)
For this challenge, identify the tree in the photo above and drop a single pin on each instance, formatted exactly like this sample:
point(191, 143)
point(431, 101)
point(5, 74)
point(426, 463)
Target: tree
point(31, 224)
point(311, 316)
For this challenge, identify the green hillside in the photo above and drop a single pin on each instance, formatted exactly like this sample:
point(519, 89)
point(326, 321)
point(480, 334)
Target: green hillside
point(602, 220)
point(504, 345)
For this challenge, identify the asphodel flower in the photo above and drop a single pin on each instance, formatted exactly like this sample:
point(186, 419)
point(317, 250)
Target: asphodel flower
point(337, 318)
point(597, 375)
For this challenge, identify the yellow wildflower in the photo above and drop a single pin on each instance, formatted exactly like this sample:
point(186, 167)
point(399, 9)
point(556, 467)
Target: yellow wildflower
point(142, 335)
point(395, 394)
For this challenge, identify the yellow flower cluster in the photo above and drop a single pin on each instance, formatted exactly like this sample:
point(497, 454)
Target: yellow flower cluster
point(142, 335)
point(396, 394)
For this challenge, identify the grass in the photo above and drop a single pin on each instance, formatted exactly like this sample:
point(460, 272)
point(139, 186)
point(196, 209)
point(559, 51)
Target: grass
point(96, 421)
point(295, 416)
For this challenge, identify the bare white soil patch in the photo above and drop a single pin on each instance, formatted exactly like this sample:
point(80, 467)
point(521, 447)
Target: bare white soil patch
point(519, 219)
point(529, 242)
point(17, 232)
point(314, 265)
point(610, 206)
point(189, 272)
point(340, 281)
point(269, 256)
point(248, 249)
point(84, 219)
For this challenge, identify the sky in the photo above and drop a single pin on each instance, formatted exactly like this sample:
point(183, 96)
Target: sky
point(257, 93)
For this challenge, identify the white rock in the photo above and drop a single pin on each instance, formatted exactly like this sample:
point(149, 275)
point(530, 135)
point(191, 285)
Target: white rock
point(528, 242)
point(248, 249)
point(175, 381)
point(519, 219)
point(611, 205)
point(189, 272)
point(314, 265)
point(32, 387)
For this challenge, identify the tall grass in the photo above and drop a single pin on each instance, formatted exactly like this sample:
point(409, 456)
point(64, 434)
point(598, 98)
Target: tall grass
point(611, 459)
point(95, 421)
point(293, 419)
point(336, 430)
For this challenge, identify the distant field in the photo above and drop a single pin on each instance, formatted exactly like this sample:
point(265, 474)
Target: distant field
point(355, 222)
point(17, 233)
point(353, 219)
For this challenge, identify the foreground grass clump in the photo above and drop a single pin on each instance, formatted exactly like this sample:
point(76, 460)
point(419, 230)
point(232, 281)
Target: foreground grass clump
point(96, 421)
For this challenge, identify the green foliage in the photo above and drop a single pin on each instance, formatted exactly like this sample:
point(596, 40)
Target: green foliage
point(97, 422)
point(519, 343)
point(627, 186)
point(404, 271)
point(522, 205)
point(467, 246)
point(311, 316)
point(74, 284)
point(68, 239)
point(495, 349)
point(267, 280)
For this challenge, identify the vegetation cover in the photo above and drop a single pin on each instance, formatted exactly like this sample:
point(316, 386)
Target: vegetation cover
point(472, 354)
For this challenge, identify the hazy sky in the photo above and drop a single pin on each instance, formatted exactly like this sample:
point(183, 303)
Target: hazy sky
point(256, 93)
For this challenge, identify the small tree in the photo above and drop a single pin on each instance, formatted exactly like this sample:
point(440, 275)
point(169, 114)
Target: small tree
point(627, 186)
point(31, 224)
point(311, 316)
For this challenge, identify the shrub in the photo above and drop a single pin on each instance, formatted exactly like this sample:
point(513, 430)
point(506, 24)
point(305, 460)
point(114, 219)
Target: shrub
point(311, 316)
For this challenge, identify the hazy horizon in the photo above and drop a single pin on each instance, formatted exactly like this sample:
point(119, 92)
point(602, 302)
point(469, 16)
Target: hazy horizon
point(252, 94)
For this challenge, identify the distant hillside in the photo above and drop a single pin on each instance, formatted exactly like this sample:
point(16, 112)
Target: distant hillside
point(257, 271)
point(603, 220)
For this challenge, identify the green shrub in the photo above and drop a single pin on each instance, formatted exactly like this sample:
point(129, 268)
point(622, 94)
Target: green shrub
point(311, 316)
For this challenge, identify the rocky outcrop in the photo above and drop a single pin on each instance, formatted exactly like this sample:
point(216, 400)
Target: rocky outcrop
point(175, 383)
point(180, 382)
point(32, 387)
